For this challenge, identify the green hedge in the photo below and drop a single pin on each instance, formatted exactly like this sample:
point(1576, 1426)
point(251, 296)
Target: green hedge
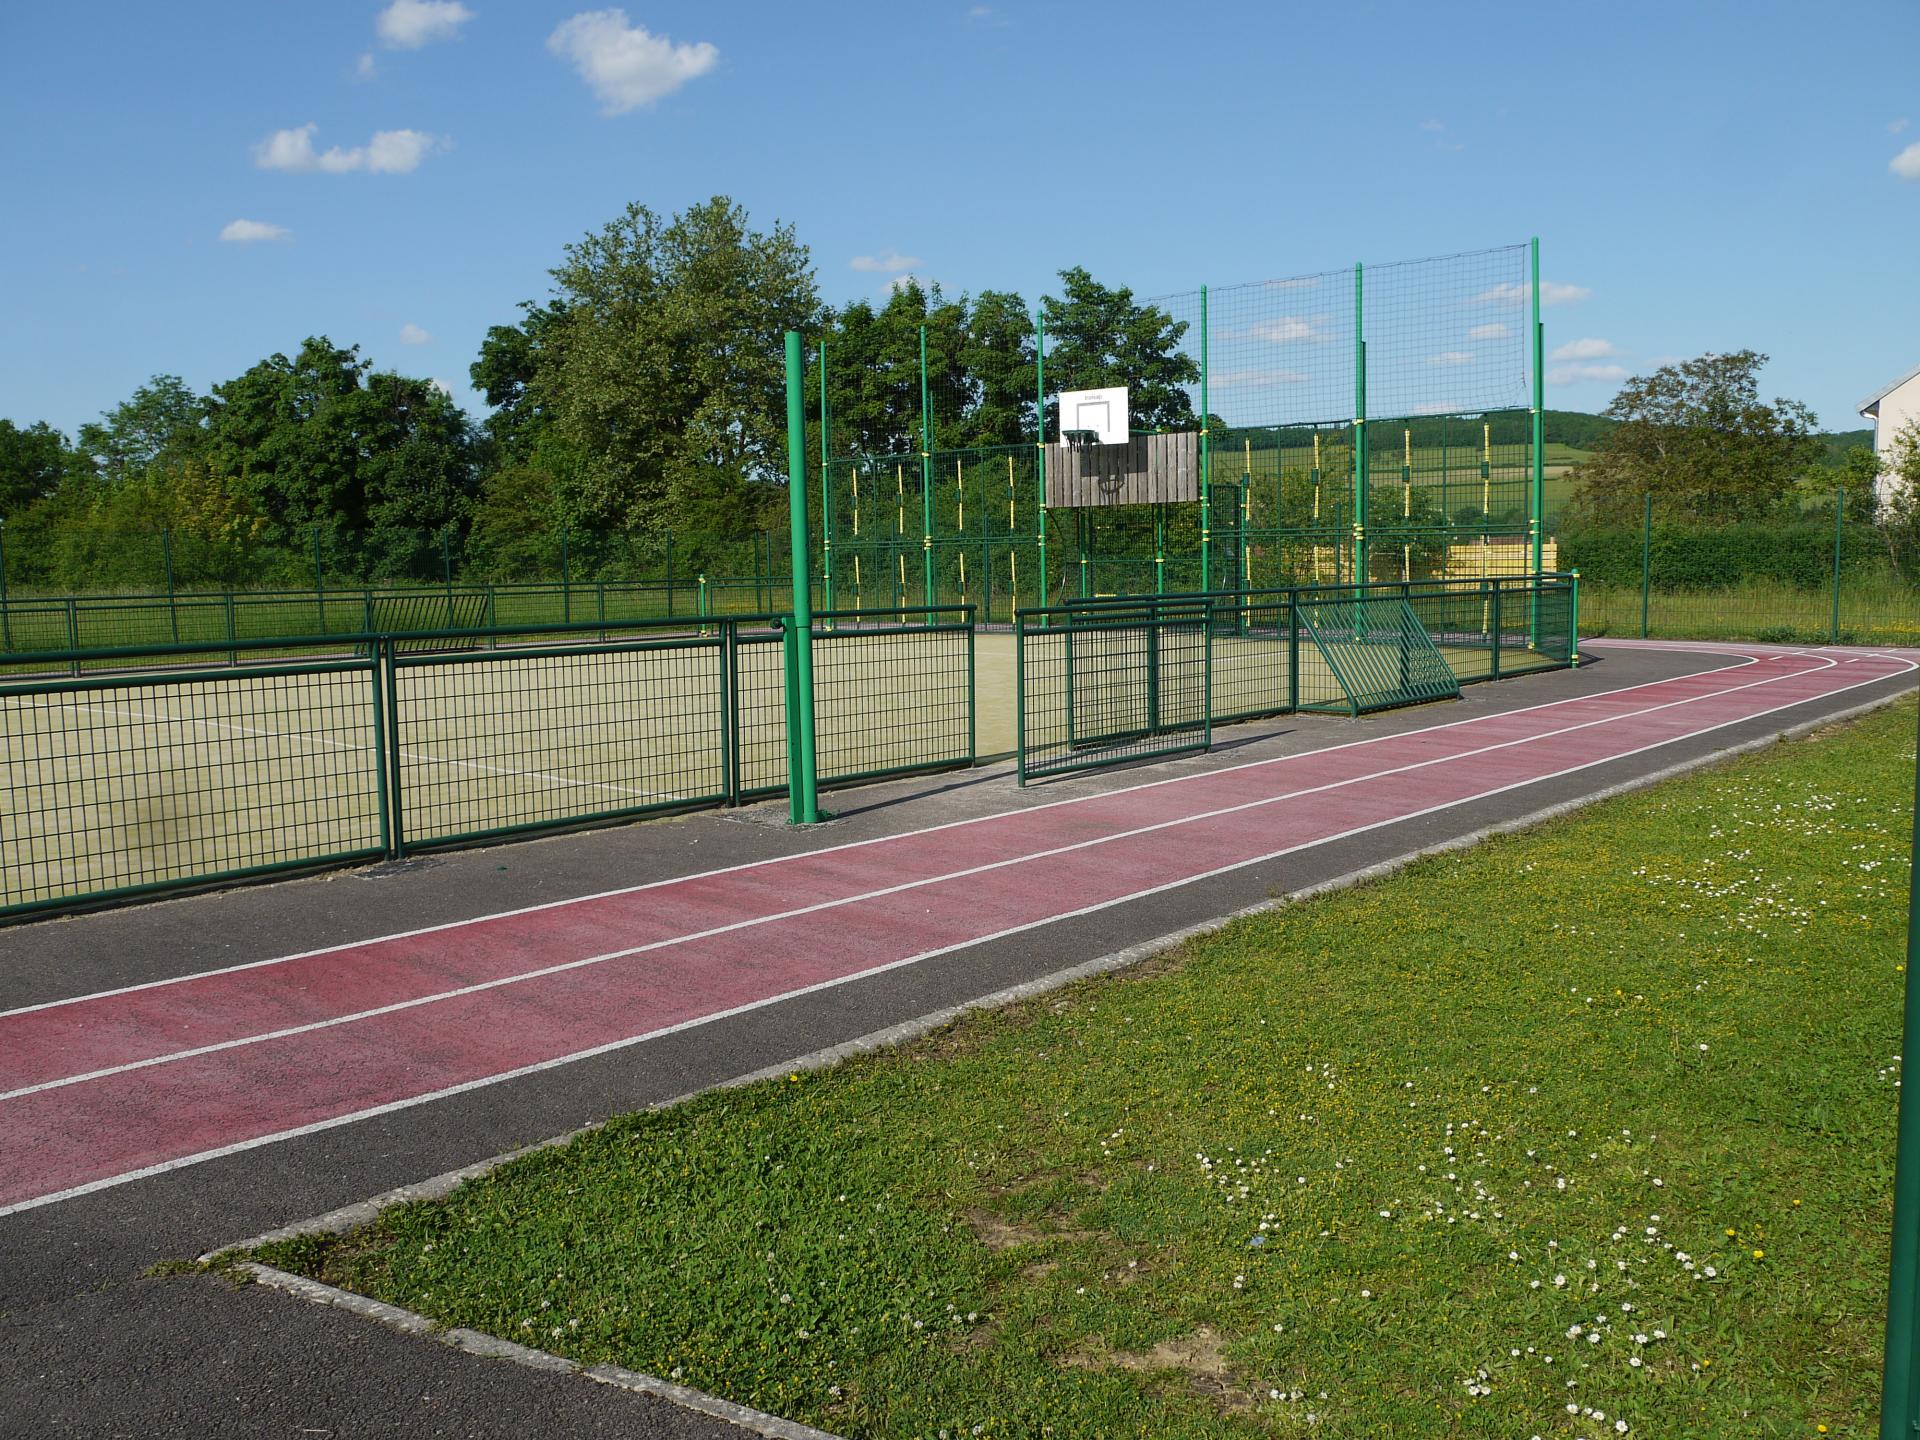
point(1699, 557)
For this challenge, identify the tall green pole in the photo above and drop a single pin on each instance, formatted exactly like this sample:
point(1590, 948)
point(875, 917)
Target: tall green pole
point(1362, 568)
point(1839, 528)
point(1206, 460)
point(1538, 499)
point(1040, 436)
point(6, 616)
point(1899, 1394)
point(1646, 563)
point(826, 486)
point(803, 798)
point(926, 479)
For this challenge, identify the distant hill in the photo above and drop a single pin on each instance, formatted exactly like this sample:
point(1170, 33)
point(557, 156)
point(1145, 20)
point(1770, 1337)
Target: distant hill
point(1838, 442)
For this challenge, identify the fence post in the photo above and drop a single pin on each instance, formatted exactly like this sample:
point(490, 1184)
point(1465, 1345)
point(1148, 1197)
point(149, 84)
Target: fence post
point(1839, 526)
point(73, 632)
point(166, 559)
point(1538, 496)
point(1362, 566)
point(926, 481)
point(670, 577)
point(446, 576)
point(1206, 459)
point(1646, 562)
point(1040, 452)
point(566, 585)
point(804, 805)
point(1493, 629)
point(1573, 620)
point(1293, 649)
point(1020, 696)
point(375, 653)
point(6, 618)
point(319, 580)
point(1899, 1395)
point(233, 653)
point(700, 600)
point(396, 796)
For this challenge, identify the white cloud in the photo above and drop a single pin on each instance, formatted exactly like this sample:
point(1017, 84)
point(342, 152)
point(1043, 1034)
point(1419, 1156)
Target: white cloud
point(409, 24)
point(247, 232)
point(902, 282)
point(443, 386)
point(389, 152)
point(1587, 349)
point(1552, 292)
point(1907, 163)
point(1290, 329)
point(412, 334)
point(1433, 127)
point(1894, 127)
point(1578, 374)
point(1496, 331)
point(625, 65)
point(1450, 357)
point(887, 262)
point(364, 68)
point(1437, 407)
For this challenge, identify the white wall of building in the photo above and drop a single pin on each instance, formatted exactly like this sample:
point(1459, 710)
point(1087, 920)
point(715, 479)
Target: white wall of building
point(1893, 412)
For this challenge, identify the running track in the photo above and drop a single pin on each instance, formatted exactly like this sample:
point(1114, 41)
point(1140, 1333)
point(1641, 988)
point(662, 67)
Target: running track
point(103, 1089)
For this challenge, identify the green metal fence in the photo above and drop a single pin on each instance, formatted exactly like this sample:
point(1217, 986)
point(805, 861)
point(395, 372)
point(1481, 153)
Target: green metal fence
point(1107, 682)
point(191, 764)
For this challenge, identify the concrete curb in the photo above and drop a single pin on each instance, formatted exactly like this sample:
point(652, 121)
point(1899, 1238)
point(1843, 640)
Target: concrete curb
point(351, 1217)
point(473, 1342)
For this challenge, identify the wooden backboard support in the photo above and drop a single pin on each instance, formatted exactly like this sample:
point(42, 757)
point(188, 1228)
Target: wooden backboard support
point(1146, 470)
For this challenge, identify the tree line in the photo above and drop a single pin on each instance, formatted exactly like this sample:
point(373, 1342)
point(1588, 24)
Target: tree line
point(640, 405)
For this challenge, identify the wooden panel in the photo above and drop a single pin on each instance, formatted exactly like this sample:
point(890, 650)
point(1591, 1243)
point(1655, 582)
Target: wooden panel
point(1148, 469)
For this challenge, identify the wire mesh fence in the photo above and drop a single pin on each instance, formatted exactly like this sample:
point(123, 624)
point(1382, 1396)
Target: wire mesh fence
point(192, 765)
point(1107, 682)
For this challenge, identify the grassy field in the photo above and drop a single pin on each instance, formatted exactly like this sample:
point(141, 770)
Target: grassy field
point(1580, 1133)
point(1870, 613)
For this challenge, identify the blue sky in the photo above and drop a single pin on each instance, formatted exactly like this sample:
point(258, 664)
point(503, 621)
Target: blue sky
point(1709, 176)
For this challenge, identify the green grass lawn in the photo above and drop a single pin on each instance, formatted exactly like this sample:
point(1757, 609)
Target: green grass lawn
point(1872, 612)
point(1579, 1129)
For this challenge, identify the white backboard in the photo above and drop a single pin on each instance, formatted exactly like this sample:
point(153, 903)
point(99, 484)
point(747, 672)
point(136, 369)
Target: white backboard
point(1102, 411)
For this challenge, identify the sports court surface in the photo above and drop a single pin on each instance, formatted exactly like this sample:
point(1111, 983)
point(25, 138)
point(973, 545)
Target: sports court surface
point(177, 1076)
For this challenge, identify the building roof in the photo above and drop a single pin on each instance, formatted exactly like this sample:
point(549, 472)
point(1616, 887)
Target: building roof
point(1866, 405)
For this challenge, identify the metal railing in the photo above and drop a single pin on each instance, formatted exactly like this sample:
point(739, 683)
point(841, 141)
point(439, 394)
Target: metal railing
point(1107, 681)
point(164, 766)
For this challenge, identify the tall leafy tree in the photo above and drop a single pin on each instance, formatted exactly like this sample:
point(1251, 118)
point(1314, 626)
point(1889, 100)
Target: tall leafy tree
point(33, 461)
point(1699, 439)
point(366, 463)
point(998, 357)
point(664, 376)
point(1097, 336)
point(163, 419)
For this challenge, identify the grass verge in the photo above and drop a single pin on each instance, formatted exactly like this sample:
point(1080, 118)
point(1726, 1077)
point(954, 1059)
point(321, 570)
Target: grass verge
point(1578, 1133)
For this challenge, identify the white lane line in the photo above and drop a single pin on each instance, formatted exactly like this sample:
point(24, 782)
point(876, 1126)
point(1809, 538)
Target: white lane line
point(800, 855)
point(879, 893)
point(389, 1107)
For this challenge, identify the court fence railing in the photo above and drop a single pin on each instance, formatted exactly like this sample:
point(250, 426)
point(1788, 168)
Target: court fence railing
point(145, 769)
point(1110, 681)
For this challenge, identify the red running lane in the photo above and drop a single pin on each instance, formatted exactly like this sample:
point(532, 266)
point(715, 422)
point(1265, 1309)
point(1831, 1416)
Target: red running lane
point(105, 1088)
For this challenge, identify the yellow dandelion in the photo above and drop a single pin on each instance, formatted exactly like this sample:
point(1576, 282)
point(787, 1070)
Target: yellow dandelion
point(1759, 1254)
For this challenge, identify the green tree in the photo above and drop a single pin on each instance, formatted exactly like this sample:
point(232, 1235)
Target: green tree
point(1098, 336)
point(510, 357)
point(33, 461)
point(162, 419)
point(664, 375)
point(1698, 438)
point(998, 359)
point(370, 466)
